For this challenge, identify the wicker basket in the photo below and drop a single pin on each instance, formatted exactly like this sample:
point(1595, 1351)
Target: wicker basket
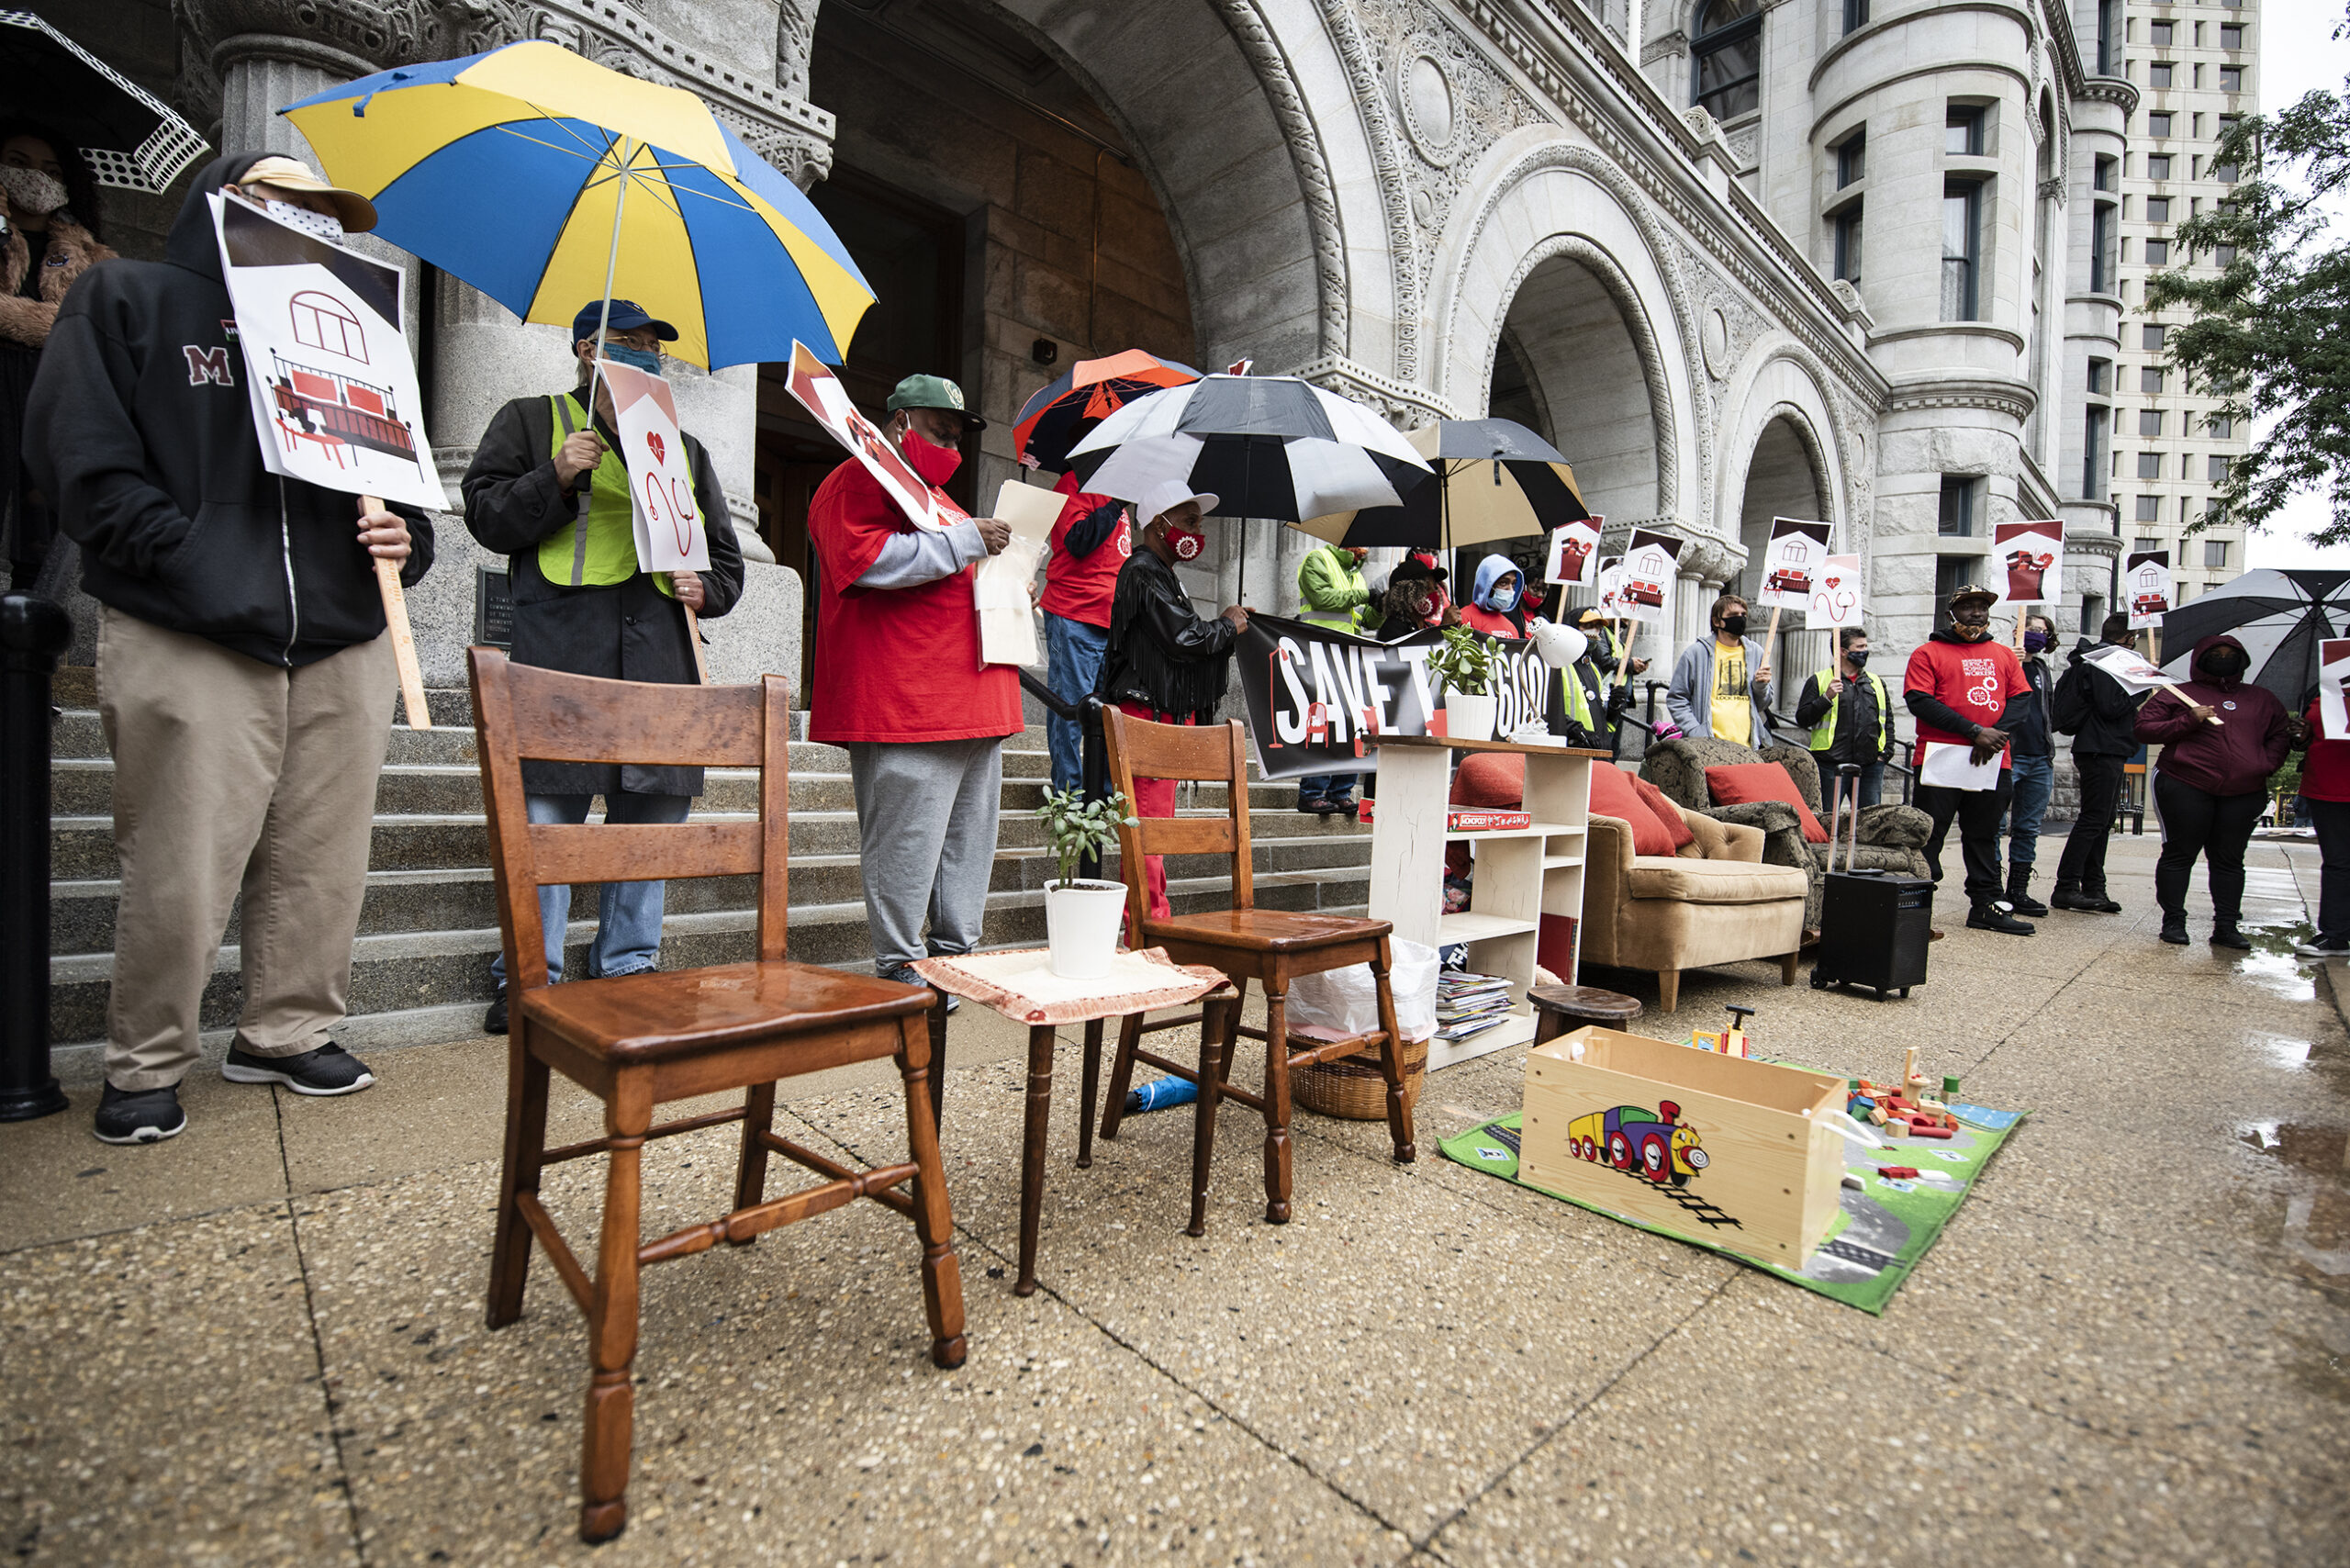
point(1352, 1088)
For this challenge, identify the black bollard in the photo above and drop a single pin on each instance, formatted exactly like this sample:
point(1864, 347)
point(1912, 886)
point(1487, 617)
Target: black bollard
point(33, 633)
point(1096, 780)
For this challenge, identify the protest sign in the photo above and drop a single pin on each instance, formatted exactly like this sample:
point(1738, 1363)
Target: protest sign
point(999, 586)
point(328, 369)
point(669, 532)
point(2332, 664)
point(2136, 674)
point(1574, 553)
point(1649, 561)
point(2146, 578)
point(822, 393)
point(1792, 562)
point(1837, 600)
point(2028, 552)
point(1608, 583)
point(1315, 696)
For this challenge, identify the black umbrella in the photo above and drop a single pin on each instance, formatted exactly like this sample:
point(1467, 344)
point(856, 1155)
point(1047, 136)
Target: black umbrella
point(1491, 479)
point(2279, 617)
point(122, 131)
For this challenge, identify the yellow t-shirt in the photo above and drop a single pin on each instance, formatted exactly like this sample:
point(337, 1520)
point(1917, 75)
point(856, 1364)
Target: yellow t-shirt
point(1733, 706)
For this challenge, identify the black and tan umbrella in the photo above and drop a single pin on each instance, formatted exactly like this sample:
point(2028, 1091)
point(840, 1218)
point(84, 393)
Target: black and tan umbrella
point(1488, 479)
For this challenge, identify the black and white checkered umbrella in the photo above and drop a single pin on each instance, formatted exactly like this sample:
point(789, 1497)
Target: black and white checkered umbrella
point(1269, 446)
point(123, 132)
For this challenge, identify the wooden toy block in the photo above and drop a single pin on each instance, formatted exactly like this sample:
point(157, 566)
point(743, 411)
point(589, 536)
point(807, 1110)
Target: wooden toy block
point(1897, 1172)
point(1921, 1130)
point(1739, 1151)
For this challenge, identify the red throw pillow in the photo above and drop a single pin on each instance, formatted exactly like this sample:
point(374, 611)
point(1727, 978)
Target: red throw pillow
point(1490, 780)
point(1668, 815)
point(1751, 782)
point(1612, 795)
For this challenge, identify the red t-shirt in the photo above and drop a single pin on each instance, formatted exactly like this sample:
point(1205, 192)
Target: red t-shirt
point(2326, 775)
point(1477, 618)
point(1975, 679)
point(894, 664)
point(1079, 588)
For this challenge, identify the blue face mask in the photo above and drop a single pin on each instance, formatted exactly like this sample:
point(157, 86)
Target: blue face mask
point(1502, 600)
point(646, 360)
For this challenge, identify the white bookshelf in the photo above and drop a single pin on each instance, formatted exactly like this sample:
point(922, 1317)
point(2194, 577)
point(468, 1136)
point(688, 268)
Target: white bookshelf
point(1522, 873)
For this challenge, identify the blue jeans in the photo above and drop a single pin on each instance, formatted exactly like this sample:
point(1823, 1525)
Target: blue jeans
point(1871, 782)
point(1326, 786)
point(628, 915)
point(2035, 776)
point(1073, 653)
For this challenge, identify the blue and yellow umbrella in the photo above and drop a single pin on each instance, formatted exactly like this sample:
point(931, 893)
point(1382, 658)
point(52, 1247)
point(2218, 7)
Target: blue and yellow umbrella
point(547, 181)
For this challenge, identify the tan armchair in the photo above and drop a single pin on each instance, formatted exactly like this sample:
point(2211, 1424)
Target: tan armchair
point(1715, 903)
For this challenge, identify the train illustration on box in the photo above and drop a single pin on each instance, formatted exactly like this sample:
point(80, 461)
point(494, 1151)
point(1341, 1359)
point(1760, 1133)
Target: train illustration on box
point(1650, 1144)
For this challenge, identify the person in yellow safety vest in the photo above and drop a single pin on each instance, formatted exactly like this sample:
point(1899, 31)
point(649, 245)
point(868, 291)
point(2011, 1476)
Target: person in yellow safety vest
point(1330, 582)
point(1605, 670)
point(1849, 716)
point(549, 490)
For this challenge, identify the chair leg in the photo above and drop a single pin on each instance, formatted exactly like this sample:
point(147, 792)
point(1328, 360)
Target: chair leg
point(1787, 967)
point(1092, 1087)
point(1277, 1152)
point(1121, 1073)
point(751, 1173)
point(1668, 990)
point(526, 1140)
point(1391, 1061)
point(1214, 1041)
point(942, 1276)
point(608, 1428)
point(936, 1018)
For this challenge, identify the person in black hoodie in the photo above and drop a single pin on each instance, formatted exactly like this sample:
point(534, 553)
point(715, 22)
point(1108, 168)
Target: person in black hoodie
point(1164, 663)
point(2101, 715)
point(2034, 754)
point(245, 681)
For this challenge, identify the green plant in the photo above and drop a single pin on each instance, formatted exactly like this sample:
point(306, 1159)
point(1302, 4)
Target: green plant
point(1463, 661)
point(1075, 826)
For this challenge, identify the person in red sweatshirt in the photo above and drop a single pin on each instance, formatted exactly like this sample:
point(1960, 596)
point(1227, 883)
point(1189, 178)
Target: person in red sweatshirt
point(1091, 540)
point(2325, 784)
point(1959, 686)
point(2212, 780)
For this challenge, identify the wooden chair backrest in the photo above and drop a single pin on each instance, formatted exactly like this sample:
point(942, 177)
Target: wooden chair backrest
point(521, 711)
point(1210, 753)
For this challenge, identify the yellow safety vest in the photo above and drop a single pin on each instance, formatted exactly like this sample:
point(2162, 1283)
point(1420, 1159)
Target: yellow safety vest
point(1823, 735)
point(600, 548)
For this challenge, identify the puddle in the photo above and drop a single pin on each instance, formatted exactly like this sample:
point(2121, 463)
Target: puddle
point(2316, 1231)
point(2274, 965)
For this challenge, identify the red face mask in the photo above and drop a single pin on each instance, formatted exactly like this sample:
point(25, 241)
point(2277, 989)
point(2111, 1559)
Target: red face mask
point(935, 464)
point(1186, 543)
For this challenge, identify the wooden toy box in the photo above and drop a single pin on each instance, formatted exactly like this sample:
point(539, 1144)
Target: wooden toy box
point(1740, 1153)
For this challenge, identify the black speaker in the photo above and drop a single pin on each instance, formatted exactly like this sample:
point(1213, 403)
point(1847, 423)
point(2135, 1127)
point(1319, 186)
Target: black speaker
point(1873, 928)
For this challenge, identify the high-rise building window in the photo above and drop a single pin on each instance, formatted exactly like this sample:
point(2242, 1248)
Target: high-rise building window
point(2109, 34)
point(2219, 427)
point(2215, 554)
point(1728, 58)
point(2223, 255)
point(2150, 465)
point(1848, 244)
point(2215, 469)
point(2230, 78)
point(1962, 131)
point(2231, 35)
point(1958, 518)
point(2158, 252)
point(2151, 335)
point(2093, 456)
point(2100, 374)
point(2161, 34)
point(2157, 209)
point(2150, 424)
point(1953, 573)
point(2144, 543)
point(2159, 74)
point(1856, 15)
point(2105, 246)
point(1852, 158)
point(2158, 123)
point(2150, 379)
point(2150, 509)
point(1961, 249)
point(2158, 165)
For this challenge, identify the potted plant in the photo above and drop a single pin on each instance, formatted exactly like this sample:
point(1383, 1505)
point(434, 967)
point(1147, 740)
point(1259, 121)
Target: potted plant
point(1465, 662)
point(1082, 917)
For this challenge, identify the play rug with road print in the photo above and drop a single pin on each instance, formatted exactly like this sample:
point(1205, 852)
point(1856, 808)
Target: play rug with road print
point(1881, 1231)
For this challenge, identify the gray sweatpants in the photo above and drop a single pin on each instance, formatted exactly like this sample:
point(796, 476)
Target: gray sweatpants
point(927, 824)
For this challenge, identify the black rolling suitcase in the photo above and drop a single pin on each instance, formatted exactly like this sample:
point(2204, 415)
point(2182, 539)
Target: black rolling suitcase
point(1873, 925)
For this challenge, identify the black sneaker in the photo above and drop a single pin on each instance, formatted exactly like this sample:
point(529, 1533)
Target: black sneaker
point(2174, 930)
point(2324, 947)
point(2225, 935)
point(139, 1116)
point(330, 1069)
point(1990, 916)
point(904, 975)
point(493, 1020)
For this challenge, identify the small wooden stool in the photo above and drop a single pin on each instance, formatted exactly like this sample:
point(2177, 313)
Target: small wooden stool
point(1559, 1008)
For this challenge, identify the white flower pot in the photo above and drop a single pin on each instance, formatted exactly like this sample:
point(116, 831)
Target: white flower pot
point(1081, 924)
point(1469, 718)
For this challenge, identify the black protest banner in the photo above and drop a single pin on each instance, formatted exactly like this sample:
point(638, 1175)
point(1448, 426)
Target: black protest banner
point(1314, 696)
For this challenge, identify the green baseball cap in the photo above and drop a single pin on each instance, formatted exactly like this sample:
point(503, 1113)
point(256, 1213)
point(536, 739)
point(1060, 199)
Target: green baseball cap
point(932, 392)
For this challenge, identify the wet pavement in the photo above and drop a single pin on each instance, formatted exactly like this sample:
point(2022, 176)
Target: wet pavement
point(263, 1342)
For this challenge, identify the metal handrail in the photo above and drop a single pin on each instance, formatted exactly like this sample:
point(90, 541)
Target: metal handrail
point(1086, 712)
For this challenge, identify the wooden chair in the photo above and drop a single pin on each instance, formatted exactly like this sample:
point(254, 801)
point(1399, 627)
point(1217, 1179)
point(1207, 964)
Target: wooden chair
point(1270, 947)
point(639, 1041)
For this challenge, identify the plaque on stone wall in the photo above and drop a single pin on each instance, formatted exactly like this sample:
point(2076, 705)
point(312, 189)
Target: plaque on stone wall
point(493, 608)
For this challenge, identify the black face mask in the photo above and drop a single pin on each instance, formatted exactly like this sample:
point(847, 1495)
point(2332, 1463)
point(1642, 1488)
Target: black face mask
point(2221, 665)
point(1859, 657)
point(1734, 625)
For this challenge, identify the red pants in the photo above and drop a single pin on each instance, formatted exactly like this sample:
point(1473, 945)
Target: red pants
point(1153, 798)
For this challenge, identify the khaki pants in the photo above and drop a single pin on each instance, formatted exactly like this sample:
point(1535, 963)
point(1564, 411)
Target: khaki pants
point(232, 775)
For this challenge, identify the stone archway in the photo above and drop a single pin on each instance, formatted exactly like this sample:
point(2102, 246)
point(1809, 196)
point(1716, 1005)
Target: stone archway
point(1785, 475)
point(1571, 324)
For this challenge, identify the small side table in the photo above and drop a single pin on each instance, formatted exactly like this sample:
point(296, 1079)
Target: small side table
point(1022, 987)
point(1559, 1008)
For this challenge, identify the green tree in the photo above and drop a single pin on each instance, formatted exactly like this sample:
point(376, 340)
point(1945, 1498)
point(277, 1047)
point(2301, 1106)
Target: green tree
point(2266, 328)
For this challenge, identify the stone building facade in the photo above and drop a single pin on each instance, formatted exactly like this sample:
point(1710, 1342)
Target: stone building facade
point(1701, 258)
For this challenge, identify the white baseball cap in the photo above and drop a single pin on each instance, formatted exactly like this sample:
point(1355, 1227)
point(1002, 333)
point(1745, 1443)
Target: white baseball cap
point(1168, 494)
